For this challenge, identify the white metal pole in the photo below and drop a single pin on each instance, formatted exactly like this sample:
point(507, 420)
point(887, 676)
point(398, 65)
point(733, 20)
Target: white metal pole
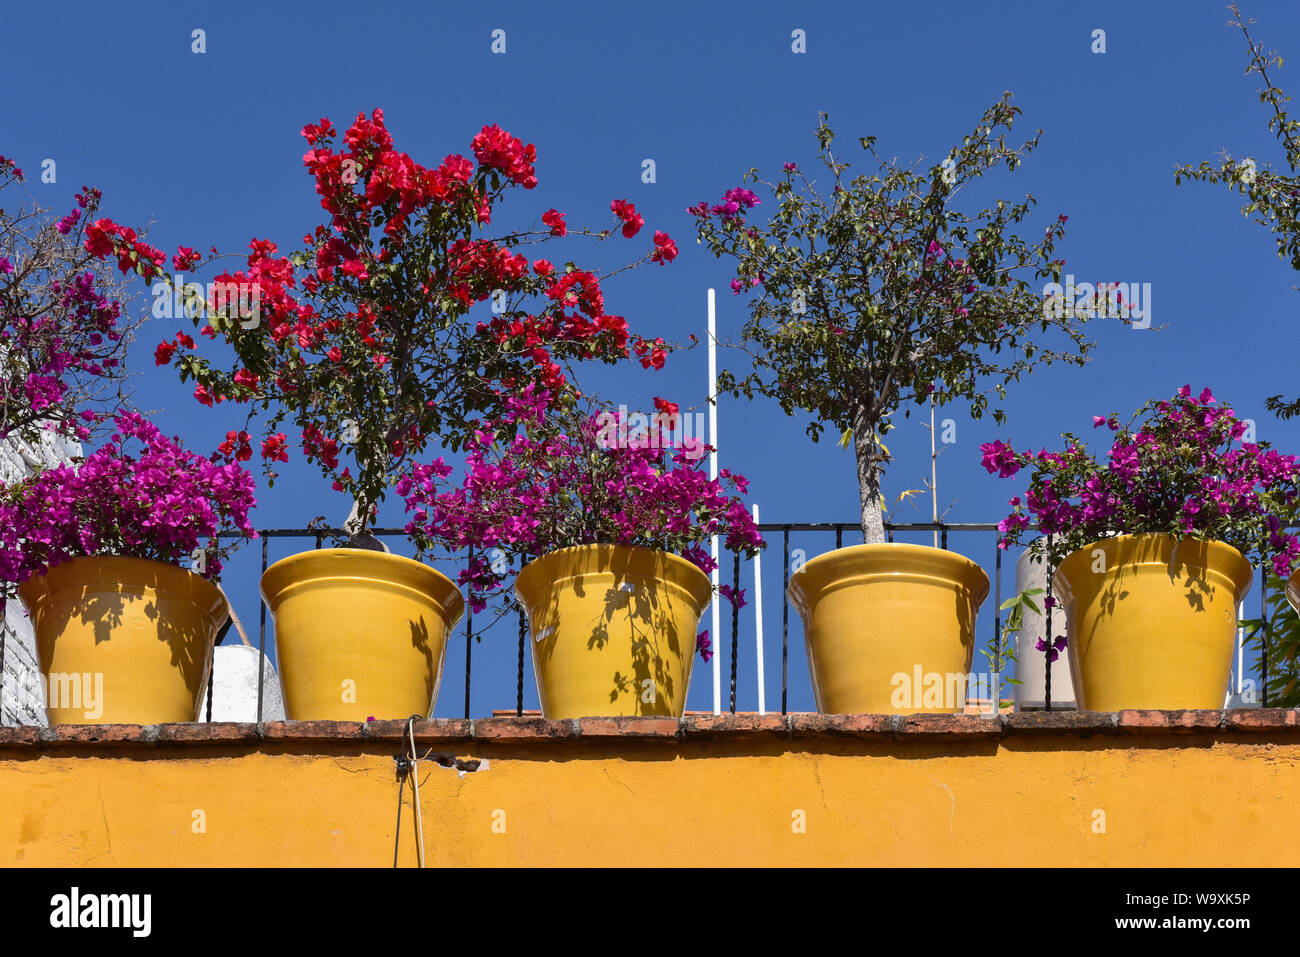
point(1241, 648)
point(713, 475)
point(758, 622)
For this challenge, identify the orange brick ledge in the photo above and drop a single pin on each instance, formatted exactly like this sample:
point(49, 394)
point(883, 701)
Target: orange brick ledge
point(955, 728)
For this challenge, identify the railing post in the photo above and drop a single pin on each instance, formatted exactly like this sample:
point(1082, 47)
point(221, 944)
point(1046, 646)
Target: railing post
point(1047, 616)
point(735, 623)
point(997, 627)
point(261, 637)
point(519, 685)
point(469, 633)
point(785, 615)
point(1268, 634)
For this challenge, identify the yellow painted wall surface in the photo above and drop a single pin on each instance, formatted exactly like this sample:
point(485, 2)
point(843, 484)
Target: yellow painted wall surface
point(1166, 800)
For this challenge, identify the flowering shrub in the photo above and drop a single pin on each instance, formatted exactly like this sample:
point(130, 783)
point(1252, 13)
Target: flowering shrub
point(159, 503)
point(363, 338)
point(63, 328)
point(543, 481)
point(881, 292)
point(1182, 471)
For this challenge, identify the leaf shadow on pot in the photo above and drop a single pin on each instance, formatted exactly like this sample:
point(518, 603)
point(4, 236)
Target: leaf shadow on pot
point(420, 641)
point(147, 605)
point(1195, 571)
point(1188, 566)
point(109, 615)
point(632, 611)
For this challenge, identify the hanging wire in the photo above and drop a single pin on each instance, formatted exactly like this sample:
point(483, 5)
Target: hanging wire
point(408, 763)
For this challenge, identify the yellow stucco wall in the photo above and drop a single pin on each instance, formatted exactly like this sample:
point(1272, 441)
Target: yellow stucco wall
point(1168, 799)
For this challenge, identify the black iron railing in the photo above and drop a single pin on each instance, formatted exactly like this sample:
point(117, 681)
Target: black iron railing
point(940, 529)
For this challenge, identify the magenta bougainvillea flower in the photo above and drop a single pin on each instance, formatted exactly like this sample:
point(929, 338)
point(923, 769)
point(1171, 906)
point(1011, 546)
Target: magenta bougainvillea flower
point(1182, 470)
point(542, 480)
point(141, 496)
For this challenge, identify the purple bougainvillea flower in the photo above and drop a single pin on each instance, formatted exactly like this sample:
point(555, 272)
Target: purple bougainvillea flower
point(704, 646)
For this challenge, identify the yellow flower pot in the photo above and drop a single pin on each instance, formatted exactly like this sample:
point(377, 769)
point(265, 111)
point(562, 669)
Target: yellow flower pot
point(1152, 621)
point(890, 628)
point(1293, 589)
point(613, 629)
point(359, 633)
point(123, 640)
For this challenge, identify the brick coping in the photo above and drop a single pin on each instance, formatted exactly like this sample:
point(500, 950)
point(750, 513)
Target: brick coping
point(694, 727)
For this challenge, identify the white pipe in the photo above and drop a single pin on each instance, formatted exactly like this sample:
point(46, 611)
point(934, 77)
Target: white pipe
point(713, 475)
point(1241, 648)
point(758, 622)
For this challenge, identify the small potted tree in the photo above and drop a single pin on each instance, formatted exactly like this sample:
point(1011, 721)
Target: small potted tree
point(366, 341)
point(867, 297)
point(124, 632)
point(608, 528)
point(1151, 546)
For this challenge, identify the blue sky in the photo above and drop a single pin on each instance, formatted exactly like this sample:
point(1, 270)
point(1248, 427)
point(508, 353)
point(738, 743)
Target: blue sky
point(207, 148)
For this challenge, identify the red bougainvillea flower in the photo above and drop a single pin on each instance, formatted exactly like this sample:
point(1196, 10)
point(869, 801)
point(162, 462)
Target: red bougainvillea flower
point(348, 332)
point(494, 148)
point(632, 220)
point(273, 448)
point(185, 259)
point(665, 248)
point(555, 219)
point(237, 447)
point(246, 379)
point(663, 405)
point(651, 352)
point(312, 132)
point(99, 239)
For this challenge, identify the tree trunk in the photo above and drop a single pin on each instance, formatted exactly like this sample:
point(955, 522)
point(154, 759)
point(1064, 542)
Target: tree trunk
point(869, 457)
point(357, 525)
point(358, 535)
